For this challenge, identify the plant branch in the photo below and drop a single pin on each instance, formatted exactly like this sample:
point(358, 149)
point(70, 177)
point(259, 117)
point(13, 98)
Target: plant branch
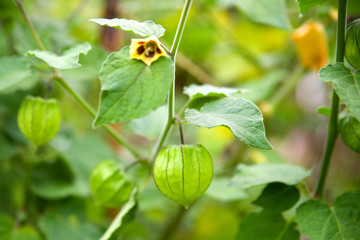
point(180, 130)
point(333, 122)
point(171, 227)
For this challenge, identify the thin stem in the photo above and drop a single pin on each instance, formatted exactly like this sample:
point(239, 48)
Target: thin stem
point(180, 29)
point(171, 99)
point(92, 112)
point(180, 130)
point(29, 24)
point(333, 122)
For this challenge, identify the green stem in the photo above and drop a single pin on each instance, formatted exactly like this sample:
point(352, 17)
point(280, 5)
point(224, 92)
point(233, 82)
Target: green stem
point(171, 99)
point(333, 122)
point(92, 112)
point(30, 26)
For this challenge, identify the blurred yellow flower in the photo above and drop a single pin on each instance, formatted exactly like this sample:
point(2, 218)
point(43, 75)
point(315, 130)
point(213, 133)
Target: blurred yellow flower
point(147, 50)
point(311, 45)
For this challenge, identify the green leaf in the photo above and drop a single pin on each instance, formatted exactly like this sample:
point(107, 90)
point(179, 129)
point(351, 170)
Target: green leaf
point(253, 175)
point(326, 111)
point(199, 91)
point(346, 84)
point(26, 233)
point(267, 225)
point(143, 29)
point(119, 219)
point(69, 59)
point(319, 221)
point(14, 74)
point(6, 227)
point(241, 116)
point(278, 197)
point(268, 12)
point(221, 189)
point(150, 125)
point(306, 5)
point(130, 89)
point(68, 222)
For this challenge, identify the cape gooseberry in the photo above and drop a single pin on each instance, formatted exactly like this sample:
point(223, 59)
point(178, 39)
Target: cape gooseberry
point(39, 119)
point(350, 132)
point(110, 186)
point(352, 49)
point(183, 173)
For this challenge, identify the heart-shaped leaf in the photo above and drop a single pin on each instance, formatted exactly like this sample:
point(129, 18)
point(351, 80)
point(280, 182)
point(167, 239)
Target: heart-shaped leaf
point(241, 116)
point(346, 84)
point(130, 89)
point(319, 221)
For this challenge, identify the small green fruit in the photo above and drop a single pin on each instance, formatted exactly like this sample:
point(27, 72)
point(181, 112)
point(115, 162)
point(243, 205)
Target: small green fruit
point(39, 119)
point(352, 44)
point(109, 184)
point(350, 132)
point(183, 173)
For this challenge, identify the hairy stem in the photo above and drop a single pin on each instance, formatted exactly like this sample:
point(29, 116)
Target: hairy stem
point(171, 98)
point(333, 122)
point(77, 97)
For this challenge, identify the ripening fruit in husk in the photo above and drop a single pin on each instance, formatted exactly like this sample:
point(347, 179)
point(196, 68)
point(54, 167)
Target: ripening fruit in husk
point(311, 45)
point(109, 184)
point(39, 119)
point(352, 47)
point(350, 132)
point(183, 173)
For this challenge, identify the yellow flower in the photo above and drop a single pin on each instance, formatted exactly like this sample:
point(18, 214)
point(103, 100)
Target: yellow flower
point(147, 50)
point(311, 45)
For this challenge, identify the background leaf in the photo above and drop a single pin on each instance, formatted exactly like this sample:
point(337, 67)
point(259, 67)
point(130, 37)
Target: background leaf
point(319, 221)
point(267, 225)
point(278, 197)
point(15, 73)
point(69, 59)
point(346, 84)
point(221, 189)
point(253, 175)
point(6, 227)
point(198, 91)
point(306, 5)
point(241, 116)
point(268, 12)
point(130, 89)
point(143, 29)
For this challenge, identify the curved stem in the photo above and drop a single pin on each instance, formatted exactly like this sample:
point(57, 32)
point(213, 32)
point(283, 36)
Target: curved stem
point(333, 122)
point(180, 130)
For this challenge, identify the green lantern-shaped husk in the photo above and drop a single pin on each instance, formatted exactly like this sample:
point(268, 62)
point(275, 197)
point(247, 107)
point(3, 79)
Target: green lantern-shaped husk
point(183, 173)
point(350, 132)
point(352, 44)
point(39, 119)
point(109, 185)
